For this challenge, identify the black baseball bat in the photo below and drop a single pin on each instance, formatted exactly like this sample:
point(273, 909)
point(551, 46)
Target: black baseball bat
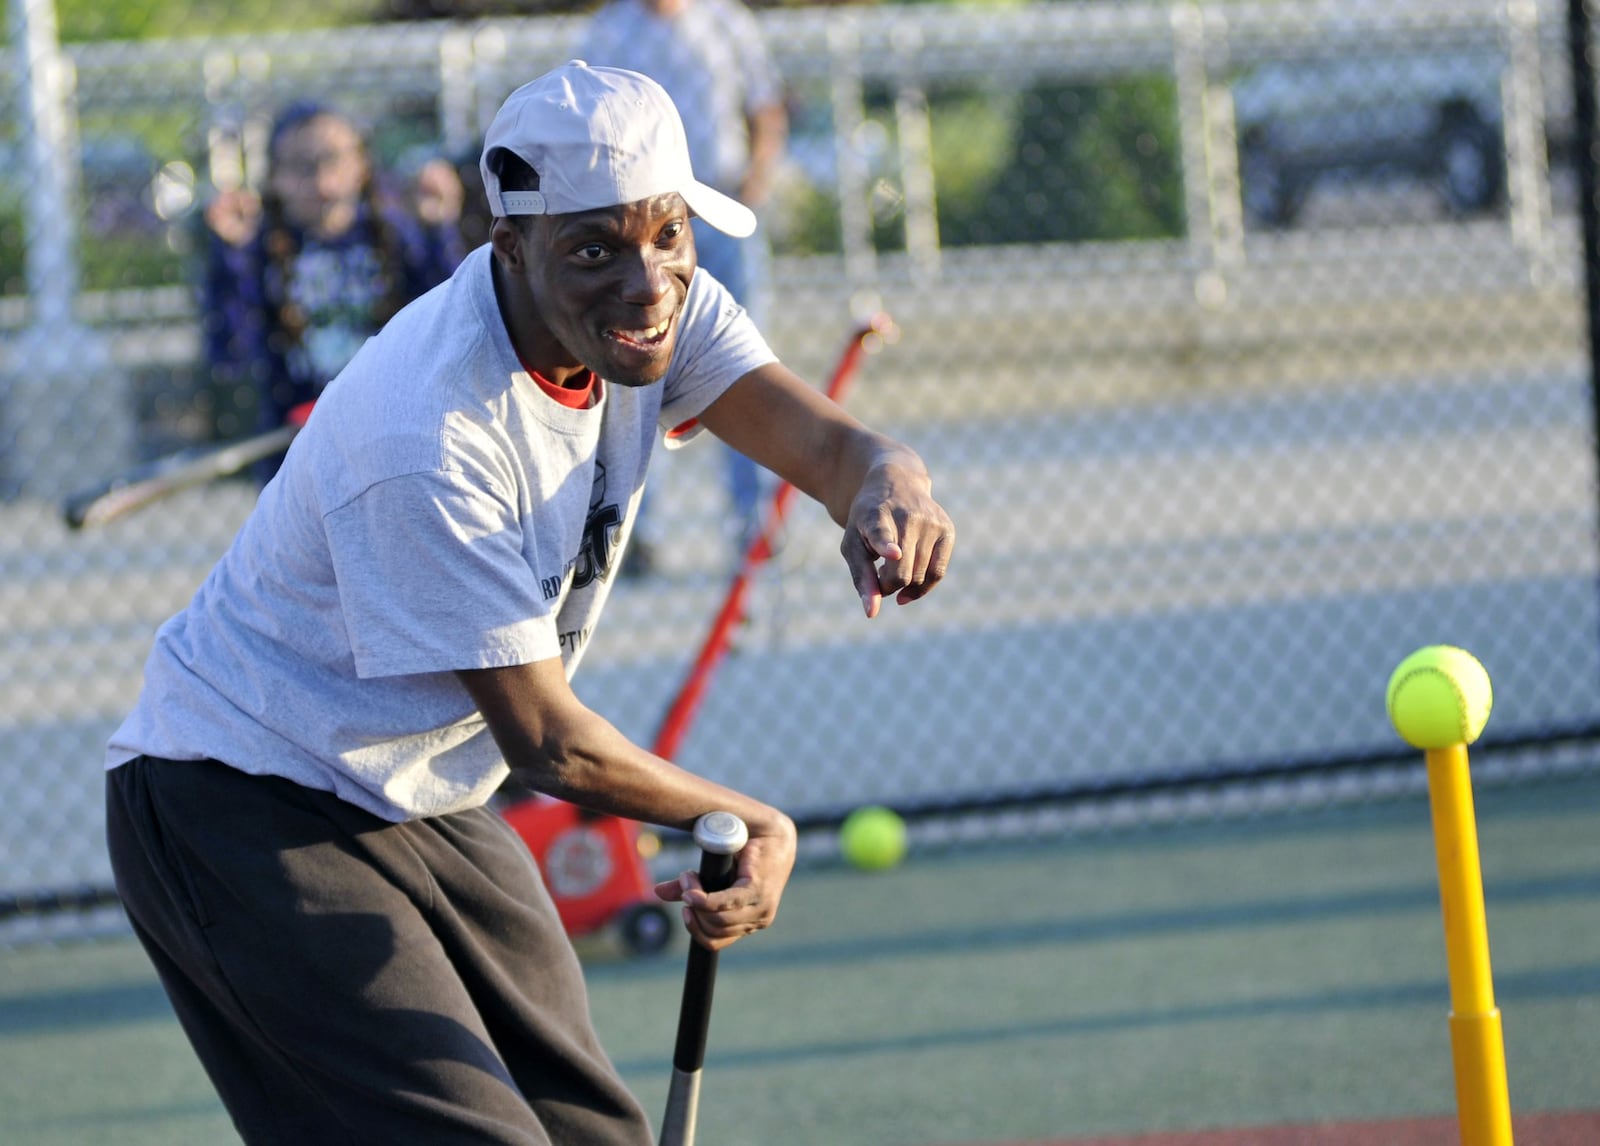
point(151, 481)
point(721, 836)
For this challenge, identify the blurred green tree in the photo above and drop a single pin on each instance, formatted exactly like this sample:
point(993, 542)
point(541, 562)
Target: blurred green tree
point(1087, 162)
point(86, 20)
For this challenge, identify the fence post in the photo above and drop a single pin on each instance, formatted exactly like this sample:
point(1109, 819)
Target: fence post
point(1580, 35)
point(64, 401)
point(1527, 164)
point(1208, 141)
point(853, 178)
point(914, 135)
point(458, 91)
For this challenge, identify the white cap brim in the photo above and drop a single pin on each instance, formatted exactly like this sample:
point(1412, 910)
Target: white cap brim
point(723, 212)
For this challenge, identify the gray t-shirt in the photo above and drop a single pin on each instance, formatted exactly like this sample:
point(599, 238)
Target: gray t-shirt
point(439, 511)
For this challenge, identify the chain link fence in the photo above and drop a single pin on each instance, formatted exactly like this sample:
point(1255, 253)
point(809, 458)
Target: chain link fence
point(1248, 343)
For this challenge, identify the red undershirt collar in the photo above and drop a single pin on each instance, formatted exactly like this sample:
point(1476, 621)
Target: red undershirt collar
point(579, 397)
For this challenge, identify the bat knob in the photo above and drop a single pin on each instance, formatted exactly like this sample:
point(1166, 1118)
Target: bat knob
point(721, 833)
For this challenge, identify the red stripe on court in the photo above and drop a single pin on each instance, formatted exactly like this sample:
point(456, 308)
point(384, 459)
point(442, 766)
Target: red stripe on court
point(1571, 1128)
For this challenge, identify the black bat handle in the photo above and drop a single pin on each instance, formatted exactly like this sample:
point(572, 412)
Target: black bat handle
point(721, 836)
point(694, 1015)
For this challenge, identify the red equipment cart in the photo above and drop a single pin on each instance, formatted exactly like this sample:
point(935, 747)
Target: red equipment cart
point(597, 871)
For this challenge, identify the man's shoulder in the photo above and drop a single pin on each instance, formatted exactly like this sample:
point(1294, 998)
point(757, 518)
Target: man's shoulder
point(716, 331)
point(444, 327)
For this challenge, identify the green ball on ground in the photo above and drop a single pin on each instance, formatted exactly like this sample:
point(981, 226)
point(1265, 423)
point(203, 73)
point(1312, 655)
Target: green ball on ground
point(1439, 697)
point(873, 838)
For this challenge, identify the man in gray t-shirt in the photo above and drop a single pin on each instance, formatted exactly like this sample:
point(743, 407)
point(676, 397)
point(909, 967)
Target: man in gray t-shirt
point(297, 805)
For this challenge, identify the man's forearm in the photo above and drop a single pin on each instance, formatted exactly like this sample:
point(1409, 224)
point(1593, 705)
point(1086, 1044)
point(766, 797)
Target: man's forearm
point(606, 772)
point(555, 744)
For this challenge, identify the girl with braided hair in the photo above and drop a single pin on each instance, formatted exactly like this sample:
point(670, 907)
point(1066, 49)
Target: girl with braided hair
point(300, 276)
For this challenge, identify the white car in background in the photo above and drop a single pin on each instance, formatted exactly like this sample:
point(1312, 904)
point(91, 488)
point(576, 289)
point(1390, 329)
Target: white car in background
point(1432, 116)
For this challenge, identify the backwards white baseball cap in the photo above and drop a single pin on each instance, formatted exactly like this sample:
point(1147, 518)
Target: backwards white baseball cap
point(599, 137)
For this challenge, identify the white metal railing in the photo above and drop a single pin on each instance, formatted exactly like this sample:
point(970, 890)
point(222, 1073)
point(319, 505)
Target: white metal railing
point(462, 70)
point(465, 69)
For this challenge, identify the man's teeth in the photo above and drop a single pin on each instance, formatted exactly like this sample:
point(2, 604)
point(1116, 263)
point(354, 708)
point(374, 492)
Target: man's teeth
point(649, 334)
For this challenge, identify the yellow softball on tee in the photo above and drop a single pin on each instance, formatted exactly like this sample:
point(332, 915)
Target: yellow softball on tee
point(1439, 696)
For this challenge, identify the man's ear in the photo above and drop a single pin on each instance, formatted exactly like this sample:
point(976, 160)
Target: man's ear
point(506, 239)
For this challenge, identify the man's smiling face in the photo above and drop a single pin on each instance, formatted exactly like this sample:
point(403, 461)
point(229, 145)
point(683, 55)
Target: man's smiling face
point(607, 288)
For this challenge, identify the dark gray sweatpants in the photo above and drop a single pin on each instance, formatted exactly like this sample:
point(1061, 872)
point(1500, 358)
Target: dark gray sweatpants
point(349, 980)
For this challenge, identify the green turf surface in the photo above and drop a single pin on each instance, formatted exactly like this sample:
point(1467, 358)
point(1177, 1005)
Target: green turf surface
point(1287, 970)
